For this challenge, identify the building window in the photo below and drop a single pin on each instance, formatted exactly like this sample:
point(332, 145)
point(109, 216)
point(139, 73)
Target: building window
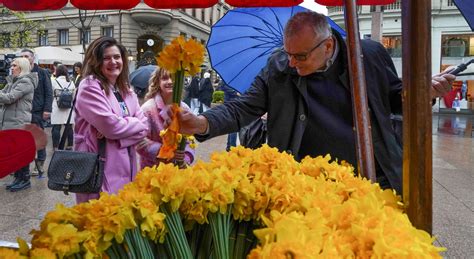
point(63, 37)
point(450, 3)
point(108, 31)
point(43, 38)
point(203, 15)
point(183, 34)
point(86, 36)
point(393, 44)
point(457, 45)
point(194, 12)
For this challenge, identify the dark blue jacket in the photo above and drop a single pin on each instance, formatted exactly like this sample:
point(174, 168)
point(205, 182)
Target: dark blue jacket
point(43, 97)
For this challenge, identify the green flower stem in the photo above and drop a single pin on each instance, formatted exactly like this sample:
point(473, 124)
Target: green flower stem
point(131, 245)
point(177, 237)
point(178, 86)
point(220, 226)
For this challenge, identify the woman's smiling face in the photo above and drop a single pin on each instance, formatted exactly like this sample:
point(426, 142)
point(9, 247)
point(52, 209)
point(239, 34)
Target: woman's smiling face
point(112, 64)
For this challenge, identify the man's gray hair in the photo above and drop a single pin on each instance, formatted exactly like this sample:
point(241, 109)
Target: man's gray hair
point(300, 20)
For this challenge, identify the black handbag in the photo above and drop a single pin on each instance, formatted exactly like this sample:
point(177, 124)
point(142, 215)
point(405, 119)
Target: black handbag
point(254, 135)
point(75, 171)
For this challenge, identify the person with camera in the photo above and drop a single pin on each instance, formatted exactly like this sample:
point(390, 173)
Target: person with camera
point(42, 103)
point(63, 92)
point(15, 110)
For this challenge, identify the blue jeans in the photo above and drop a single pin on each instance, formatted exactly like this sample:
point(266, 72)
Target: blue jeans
point(37, 118)
point(231, 140)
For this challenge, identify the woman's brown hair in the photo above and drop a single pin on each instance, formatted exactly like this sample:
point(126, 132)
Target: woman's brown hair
point(93, 62)
point(62, 71)
point(154, 82)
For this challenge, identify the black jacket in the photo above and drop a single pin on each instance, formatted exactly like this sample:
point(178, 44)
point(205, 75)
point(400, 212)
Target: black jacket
point(280, 91)
point(205, 91)
point(43, 97)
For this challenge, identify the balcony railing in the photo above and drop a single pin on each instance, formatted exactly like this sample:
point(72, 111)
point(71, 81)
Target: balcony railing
point(395, 6)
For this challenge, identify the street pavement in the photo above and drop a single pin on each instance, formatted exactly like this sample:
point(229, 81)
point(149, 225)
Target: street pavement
point(453, 190)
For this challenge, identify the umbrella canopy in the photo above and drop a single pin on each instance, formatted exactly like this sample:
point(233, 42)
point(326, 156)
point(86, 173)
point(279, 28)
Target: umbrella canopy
point(256, 33)
point(139, 79)
point(48, 55)
point(467, 10)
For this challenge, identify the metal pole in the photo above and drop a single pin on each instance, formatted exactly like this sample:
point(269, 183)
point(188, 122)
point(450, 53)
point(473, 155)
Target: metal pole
point(417, 119)
point(365, 153)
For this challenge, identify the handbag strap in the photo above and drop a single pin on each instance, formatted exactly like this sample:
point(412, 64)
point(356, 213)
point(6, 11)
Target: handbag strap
point(68, 127)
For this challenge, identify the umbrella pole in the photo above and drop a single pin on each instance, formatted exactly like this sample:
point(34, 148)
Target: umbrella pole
point(365, 153)
point(417, 118)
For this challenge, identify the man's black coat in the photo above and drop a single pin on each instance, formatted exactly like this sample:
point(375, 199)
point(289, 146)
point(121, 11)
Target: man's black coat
point(280, 91)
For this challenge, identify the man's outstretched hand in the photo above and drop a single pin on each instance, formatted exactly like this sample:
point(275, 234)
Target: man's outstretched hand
point(190, 123)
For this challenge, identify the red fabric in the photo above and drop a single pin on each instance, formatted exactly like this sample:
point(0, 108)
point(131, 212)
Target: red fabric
point(104, 4)
point(34, 5)
point(359, 2)
point(263, 3)
point(17, 150)
point(449, 97)
point(172, 4)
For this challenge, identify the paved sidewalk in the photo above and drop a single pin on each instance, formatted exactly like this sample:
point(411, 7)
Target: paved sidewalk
point(453, 188)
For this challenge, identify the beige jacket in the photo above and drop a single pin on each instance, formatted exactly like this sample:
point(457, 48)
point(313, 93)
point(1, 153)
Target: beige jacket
point(16, 101)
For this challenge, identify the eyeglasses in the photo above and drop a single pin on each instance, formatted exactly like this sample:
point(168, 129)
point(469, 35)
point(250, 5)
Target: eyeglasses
point(304, 56)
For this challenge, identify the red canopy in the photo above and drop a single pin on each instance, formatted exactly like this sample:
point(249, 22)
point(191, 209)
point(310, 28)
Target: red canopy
point(38, 5)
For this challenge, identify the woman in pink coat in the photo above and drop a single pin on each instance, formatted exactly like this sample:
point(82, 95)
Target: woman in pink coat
point(160, 94)
point(107, 108)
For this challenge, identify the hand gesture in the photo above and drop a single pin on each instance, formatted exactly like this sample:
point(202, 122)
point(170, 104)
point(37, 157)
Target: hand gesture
point(442, 83)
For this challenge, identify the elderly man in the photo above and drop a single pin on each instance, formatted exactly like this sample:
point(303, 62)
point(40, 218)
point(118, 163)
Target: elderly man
point(42, 103)
point(305, 89)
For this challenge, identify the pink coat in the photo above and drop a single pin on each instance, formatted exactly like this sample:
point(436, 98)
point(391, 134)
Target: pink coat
point(98, 112)
point(149, 147)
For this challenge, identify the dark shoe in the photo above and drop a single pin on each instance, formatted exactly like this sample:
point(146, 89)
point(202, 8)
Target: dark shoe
point(38, 171)
point(16, 181)
point(25, 184)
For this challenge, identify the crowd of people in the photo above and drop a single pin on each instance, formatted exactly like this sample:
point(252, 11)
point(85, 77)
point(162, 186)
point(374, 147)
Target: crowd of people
point(303, 93)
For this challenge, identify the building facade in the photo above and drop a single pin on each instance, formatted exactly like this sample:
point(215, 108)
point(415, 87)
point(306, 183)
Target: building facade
point(452, 41)
point(142, 30)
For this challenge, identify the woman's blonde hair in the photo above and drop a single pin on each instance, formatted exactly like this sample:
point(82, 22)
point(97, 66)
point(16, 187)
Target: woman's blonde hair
point(24, 65)
point(154, 82)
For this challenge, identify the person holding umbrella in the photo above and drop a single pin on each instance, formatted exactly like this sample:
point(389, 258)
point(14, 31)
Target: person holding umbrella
point(305, 89)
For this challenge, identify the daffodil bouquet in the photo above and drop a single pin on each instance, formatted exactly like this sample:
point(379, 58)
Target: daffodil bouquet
point(315, 208)
point(181, 57)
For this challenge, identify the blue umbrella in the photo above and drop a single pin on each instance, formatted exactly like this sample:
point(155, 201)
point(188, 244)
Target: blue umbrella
point(467, 10)
point(139, 79)
point(241, 42)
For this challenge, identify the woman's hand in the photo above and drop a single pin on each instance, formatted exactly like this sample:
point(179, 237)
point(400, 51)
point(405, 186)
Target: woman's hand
point(179, 159)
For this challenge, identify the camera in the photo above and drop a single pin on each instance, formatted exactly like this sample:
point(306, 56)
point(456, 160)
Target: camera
point(5, 62)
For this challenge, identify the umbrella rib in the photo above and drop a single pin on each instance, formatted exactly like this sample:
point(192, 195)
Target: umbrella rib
point(241, 51)
point(242, 70)
point(269, 25)
point(260, 30)
point(259, 38)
